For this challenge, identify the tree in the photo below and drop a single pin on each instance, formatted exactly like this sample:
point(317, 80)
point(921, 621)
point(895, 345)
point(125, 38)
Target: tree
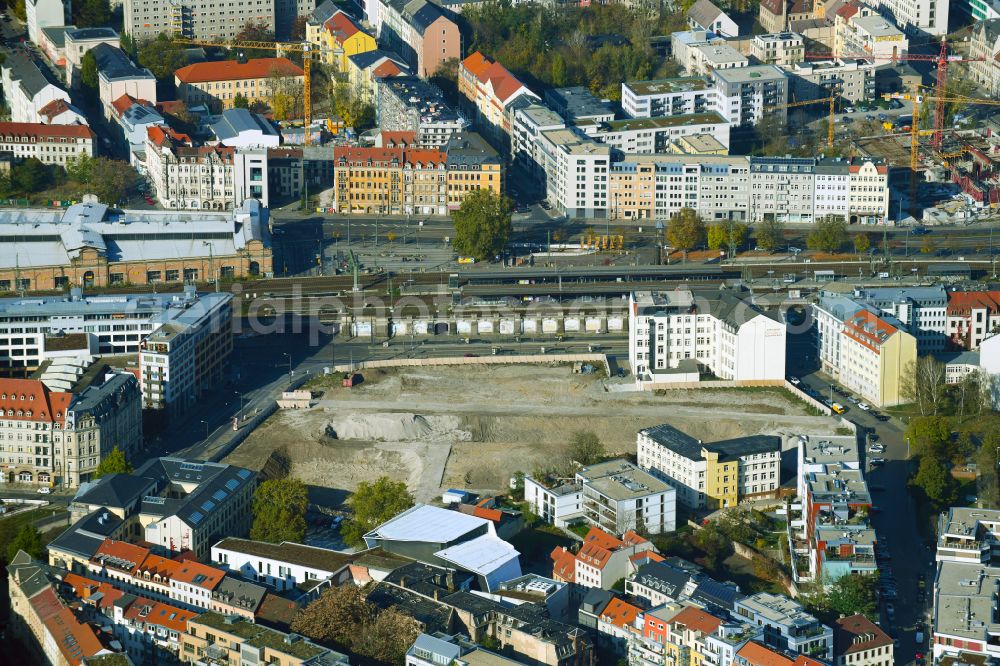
point(162, 56)
point(713, 543)
point(923, 383)
point(241, 101)
point(80, 168)
point(928, 436)
point(28, 539)
point(585, 448)
point(111, 180)
point(299, 28)
point(113, 463)
point(279, 511)
point(716, 236)
point(337, 616)
point(91, 13)
point(686, 230)
point(387, 639)
point(935, 482)
point(88, 70)
point(372, 504)
point(30, 176)
point(254, 31)
point(829, 235)
point(482, 224)
point(770, 234)
point(861, 243)
point(852, 594)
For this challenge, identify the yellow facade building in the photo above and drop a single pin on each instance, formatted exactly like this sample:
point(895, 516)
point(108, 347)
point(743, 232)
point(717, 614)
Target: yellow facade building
point(217, 84)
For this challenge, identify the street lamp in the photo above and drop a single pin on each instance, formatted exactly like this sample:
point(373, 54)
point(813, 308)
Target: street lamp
point(211, 264)
point(240, 393)
point(289, 357)
point(206, 428)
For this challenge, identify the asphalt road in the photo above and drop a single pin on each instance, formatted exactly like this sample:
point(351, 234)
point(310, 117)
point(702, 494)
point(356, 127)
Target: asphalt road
point(895, 520)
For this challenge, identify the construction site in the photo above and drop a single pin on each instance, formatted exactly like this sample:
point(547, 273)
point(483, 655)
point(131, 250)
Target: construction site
point(473, 427)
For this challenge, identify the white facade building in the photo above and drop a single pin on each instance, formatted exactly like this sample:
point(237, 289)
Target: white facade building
point(647, 136)
point(576, 172)
point(44, 14)
point(918, 16)
point(27, 90)
point(668, 97)
point(52, 144)
point(719, 331)
point(865, 31)
point(283, 566)
point(778, 48)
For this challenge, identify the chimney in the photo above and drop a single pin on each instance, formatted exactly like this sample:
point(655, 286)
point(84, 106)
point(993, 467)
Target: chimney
point(449, 581)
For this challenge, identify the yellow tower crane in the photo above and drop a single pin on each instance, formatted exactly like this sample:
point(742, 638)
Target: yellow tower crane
point(305, 49)
point(823, 100)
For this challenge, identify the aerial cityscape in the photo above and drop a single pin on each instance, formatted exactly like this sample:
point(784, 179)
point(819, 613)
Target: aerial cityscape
point(500, 332)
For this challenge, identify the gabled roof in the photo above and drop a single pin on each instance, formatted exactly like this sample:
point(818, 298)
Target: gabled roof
point(961, 303)
point(696, 619)
point(857, 633)
point(30, 399)
point(323, 12)
point(421, 14)
point(120, 555)
point(55, 108)
point(24, 69)
point(342, 27)
point(563, 564)
point(620, 613)
point(704, 13)
point(233, 70)
point(76, 641)
point(199, 575)
point(388, 68)
point(43, 131)
point(117, 491)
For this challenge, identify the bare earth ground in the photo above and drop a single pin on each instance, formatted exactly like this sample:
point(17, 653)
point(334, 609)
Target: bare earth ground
point(474, 426)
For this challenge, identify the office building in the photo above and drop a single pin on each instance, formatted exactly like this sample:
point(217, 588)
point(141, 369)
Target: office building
point(715, 475)
point(148, 246)
point(675, 334)
point(188, 354)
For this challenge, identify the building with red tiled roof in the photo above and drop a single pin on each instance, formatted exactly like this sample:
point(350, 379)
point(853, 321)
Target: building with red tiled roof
point(616, 623)
point(492, 89)
point(857, 641)
point(52, 144)
point(973, 316)
point(393, 180)
point(601, 561)
point(874, 350)
point(75, 640)
point(217, 83)
point(342, 38)
point(61, 112)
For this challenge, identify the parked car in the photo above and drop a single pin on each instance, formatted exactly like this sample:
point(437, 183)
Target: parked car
point(864, 407)
point(795, 380)
point(882, 417)
point(851, 399)
point(876, 448)
point(875, 462)
point(838, 408)
point(44, 490)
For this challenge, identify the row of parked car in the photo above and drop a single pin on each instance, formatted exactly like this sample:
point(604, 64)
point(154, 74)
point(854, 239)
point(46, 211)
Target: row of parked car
point(836, 406)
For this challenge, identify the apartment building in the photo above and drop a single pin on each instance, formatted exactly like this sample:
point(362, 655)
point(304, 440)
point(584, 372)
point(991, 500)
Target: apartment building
point(423, 33)
point(858, 640)
point(783, 49)
point(672, 633)
point(746, 94)
point(647, 136)
point(42, 622)
point(340, 38)
point(218, 83)
point(672, 334)
point(365, 70)
point(436, 650)
point(916, 17)
point(578, 106)
point(117, 75)
point(783, 189)
point(225, 639)
point(59, 437)
point(705, 58)
point(852, 81)
point(668, 97)
point(529, 122)
point(491, 90)
point(210, 21)
point(27, 89)
point(51, 144)
point(411, 104)
point(217, 177)
point(576, 170)
point(403, 181)
point(80, 40)
point(187, 355)
point(658, 583)
point(973, 316)
point(41, 14)
point(787, 626)
point(754, 653)
point(860, 30)
point(963, 621)
point(615, 495)
point(984, 46)
point(602, 559)
point(285, 566)
point(874, 350)
point(716, 475)
point(777, 15)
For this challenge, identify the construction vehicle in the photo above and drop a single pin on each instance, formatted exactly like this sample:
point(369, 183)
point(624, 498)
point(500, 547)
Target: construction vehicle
point(306, 49)
point(823, 100)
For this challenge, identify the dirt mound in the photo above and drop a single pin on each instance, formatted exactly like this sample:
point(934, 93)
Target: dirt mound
point(392, 427)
